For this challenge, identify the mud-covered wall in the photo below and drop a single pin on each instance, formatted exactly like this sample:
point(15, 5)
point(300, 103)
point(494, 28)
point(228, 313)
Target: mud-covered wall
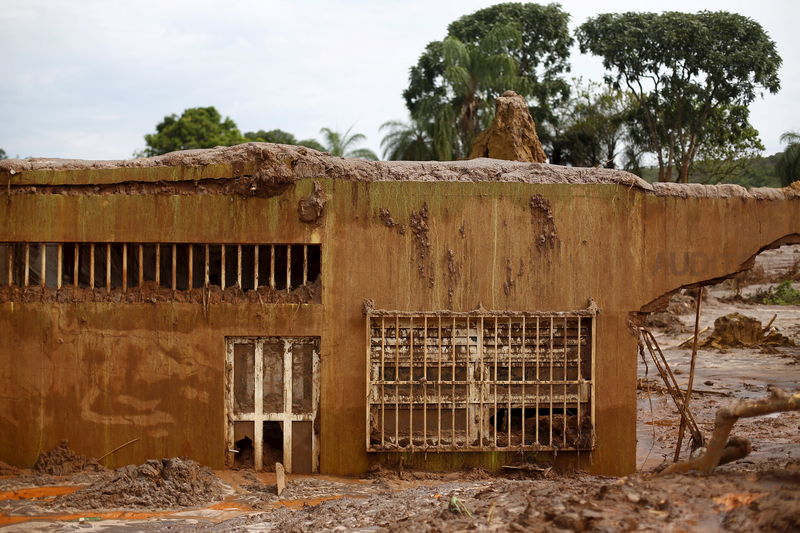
point(101, 373)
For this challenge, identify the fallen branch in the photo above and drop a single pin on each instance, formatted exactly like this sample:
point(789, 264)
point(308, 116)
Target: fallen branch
point(118, 448)
point(719, 447)
point(685, 344)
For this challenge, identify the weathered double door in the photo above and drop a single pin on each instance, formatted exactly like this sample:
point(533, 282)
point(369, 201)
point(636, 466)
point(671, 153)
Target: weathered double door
point(272, 394)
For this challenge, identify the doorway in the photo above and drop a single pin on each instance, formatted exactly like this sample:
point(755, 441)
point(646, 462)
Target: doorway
point(272, 399)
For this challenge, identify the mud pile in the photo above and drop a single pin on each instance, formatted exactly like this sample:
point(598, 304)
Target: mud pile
point(62, 461)
point(766, 501)
point(8, 470)
point(740, 331)
point(156, 484)
point(512, 135)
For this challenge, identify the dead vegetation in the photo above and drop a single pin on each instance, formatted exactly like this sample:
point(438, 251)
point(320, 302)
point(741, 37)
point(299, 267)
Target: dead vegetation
point(740, 331)
point(720, 450)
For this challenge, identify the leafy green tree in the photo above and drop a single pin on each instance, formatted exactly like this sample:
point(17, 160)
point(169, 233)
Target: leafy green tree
point(541, 52)
point(592, 126)
point(344, 144)
point(281, 137)
point(475, 74)
point(3, 154)
point(407, 141)
point(197, 127)
point(788, 164)
point(691, 74)
point(729, 151)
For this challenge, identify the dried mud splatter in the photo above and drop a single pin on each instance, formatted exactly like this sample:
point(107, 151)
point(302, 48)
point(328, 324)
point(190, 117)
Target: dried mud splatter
point(311, 208)
point(542, 217)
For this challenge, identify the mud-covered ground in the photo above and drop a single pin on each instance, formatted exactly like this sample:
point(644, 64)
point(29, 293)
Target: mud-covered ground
point(758, 493)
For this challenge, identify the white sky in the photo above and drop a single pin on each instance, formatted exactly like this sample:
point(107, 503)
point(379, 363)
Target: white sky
point(89, 78)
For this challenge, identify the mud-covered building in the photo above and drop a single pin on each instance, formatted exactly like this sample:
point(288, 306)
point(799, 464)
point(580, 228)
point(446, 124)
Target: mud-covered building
point(267, 303)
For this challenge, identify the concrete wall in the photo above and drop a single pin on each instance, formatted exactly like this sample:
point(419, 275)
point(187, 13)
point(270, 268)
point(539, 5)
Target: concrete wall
point(101, 373)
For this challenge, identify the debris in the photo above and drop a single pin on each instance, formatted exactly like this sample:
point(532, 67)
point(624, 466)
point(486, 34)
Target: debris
point(61, 461)
point(530, 467)
point(280, 478)
point(718, 446)
point(156, 484)
point(646, 338)
point(740, 331)
point(690, 385)
point(666, 322)
point(732, 500)
point(688, 342)
point(569, 521)
point(457, 506)
point(117, 449)
point(512, 134)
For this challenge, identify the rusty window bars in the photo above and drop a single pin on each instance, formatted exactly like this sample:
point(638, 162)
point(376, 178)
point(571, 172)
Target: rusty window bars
point(480, 381)
point(176, 266)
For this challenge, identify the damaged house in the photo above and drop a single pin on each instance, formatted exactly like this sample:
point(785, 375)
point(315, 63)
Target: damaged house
point(263, 303)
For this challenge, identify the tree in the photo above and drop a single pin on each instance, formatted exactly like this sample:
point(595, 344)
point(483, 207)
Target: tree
point(281, 137)
point(788, 164)
point(3, 154)
point(406, 141)
point(592, 126)
point(343, 144)
point(475, 74)
point(197, 127)
point(729, 151)
point(540, 52)
point(691, 75)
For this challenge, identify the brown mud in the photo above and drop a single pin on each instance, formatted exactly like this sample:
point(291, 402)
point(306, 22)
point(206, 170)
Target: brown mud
point(151, 292)
point(512, 133)
point(758, 493)
point(156, 484)
point(62, 460)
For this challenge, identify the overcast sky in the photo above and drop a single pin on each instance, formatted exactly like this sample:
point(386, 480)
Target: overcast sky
point(89, 78)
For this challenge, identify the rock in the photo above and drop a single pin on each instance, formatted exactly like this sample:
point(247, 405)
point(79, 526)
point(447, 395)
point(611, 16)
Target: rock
point(512, 134)
point(569, 521)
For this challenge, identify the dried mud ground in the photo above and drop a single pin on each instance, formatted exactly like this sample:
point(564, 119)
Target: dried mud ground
point(758, 493)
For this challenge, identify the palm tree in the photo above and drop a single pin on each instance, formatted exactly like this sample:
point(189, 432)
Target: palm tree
point(788, 164)
point(406, 141)
point(343, 144)
point(476, 74)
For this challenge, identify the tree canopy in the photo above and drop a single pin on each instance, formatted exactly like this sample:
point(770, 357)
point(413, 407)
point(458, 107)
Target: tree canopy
point(517, 46)
point(197, 127)
point(692, 76)
point(281, 137)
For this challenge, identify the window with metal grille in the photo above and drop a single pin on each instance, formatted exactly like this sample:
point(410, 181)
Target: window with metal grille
point(480, 381)
point(176, 266)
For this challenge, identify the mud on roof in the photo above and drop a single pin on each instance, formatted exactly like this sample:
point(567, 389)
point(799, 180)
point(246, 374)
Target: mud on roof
point(285, 164)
